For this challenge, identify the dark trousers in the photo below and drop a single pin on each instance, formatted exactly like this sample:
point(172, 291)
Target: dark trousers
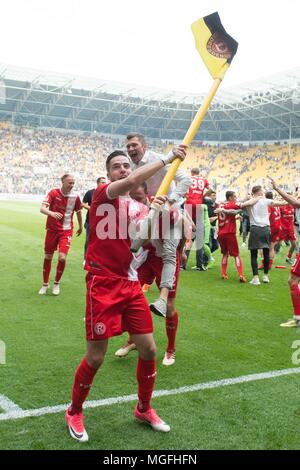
point(254, 253)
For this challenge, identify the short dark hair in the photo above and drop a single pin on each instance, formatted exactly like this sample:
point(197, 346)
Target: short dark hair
point(139, 136)
point(115, 153)
point(269, 195)
point(257, 188)
point(64, 177)
point(229, 194)
point(196, 171)
point(100, 178)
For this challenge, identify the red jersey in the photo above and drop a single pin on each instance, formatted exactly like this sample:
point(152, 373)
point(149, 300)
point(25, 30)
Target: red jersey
point(287, 217)
point(275, 218)
point(66, 205)
point(226, 222)
point(195, 193)
point(108, 252)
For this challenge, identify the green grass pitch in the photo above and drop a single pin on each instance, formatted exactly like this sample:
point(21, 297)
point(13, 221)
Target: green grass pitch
point(226, 330)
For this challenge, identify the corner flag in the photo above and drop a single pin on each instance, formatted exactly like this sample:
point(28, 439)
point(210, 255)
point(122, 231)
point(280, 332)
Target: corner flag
point(217, 49)
point(215, 46)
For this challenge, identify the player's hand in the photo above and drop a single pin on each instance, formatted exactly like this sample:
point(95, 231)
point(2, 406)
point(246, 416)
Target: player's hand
point(79, 231)
point(56, 215)
point(272, 182)
point(219, 210)
point(179, 151)
point(158, 202)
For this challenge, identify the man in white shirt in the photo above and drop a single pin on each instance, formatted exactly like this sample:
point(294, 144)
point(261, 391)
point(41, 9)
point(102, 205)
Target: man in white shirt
point(137, 150)
point(260, 236)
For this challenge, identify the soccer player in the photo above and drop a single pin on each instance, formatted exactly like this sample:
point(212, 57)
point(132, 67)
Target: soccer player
point(294, 277)
point(138, 151)
point(86, 204)
point(59, 207)
point(198, 190)
point(227, 233)
point(114, 299)
point(275, 228)
point(288, 231)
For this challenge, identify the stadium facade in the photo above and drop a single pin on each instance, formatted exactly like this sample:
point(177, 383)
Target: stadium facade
point(266, 110)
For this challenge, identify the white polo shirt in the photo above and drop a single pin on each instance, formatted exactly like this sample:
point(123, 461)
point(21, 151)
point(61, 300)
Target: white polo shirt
point(258, 213)
point(181, 178)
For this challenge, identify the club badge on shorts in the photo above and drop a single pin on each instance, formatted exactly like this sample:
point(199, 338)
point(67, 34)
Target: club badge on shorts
point(100, 329)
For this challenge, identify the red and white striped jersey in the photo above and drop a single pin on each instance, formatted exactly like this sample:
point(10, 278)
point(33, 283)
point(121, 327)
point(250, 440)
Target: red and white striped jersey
point(66, 205)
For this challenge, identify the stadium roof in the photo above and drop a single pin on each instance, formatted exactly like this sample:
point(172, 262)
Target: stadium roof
point(264, 110)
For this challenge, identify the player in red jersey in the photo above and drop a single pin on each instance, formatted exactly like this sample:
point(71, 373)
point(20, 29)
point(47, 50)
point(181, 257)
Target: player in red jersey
point(288, 230)
point(294, 277)
point(114, 300)
point(198, 189)
point(275, 227)
point(227, 233)
point(59, 207)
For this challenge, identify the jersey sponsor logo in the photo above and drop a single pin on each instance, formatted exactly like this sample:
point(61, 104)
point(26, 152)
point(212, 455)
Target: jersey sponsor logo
point(100, 329)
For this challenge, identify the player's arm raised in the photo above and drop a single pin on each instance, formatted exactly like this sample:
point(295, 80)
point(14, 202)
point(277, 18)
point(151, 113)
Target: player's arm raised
point(137, 177)
point(288, 197)
point(251, 201)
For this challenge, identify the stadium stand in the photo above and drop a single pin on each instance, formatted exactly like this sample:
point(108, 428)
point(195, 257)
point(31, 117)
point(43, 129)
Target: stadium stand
point(55, 123)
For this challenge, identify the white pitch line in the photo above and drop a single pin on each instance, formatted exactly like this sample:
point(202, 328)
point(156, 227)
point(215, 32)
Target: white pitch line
point(7, 405)
point(18, 413)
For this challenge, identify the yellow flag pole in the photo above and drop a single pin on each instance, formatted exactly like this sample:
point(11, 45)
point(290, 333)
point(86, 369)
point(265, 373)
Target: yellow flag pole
point(163, 189)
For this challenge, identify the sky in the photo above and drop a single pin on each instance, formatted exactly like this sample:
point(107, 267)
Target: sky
point(145, 42)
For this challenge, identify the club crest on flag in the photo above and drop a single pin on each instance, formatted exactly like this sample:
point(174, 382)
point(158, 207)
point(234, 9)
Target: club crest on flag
point(218, 47)
point(214, 44)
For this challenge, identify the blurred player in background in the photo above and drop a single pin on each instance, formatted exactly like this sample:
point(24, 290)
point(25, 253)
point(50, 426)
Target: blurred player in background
point(287, 213)
point(86, 204)
point(227, 233)
point(294, 277)
point(59, 207)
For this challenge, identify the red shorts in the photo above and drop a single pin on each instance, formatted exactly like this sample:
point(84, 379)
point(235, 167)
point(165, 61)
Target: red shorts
point(114, 305)
point(151, 270)
point(295, 269)
point(61, 239)
point(229, 244)
point(276, 235)
point(288, 233)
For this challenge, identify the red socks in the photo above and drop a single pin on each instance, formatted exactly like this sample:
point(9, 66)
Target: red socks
point(145, 374)
point(239, 265)
point(59, 270)
point(270, 264)
point(171, 330)
point(224, 265)
point(82, 383)
point(46, 270)
point(295, 295)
